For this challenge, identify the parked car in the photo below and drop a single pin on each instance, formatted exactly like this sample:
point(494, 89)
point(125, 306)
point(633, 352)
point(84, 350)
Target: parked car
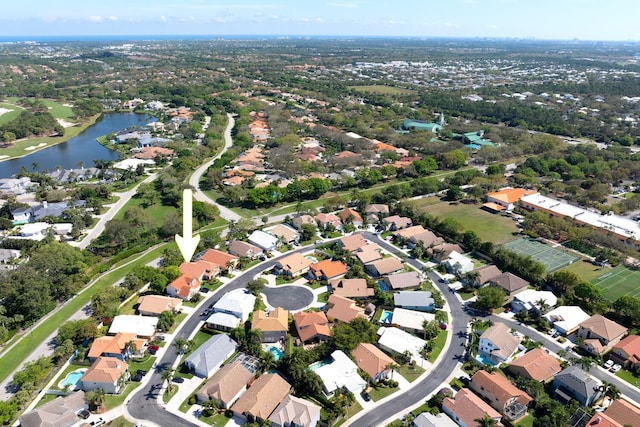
point(615, 368)
point(160, 337)
point(365, 396)
point(153, 347)
point(204, 290)
point(178, 380)
point(137, 378)
point(608, 364)
point(84, 414)
point(98, 422)
point(141, 372)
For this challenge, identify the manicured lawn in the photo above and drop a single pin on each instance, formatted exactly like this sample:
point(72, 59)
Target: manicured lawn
point(351, 411)
point(586, 270)
point(617, 282)
point(628, 377)
point(215, 420)
point(526, 421)
point(179, 319)
point(489, 227)
point(121, 422)
point(378, 393)
point(466, 295)
point(438, 345)
point(45, 399)
point(10, 115)
point(58, 110)
point(410, 373)
point(173, 389)
point(158, 212)
point(113, 401)
point(145, 363)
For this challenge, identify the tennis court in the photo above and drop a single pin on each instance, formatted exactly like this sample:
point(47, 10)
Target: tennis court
point(619, 281)
point(553, 259)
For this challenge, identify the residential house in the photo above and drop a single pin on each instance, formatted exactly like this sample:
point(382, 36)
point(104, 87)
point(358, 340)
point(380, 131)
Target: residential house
point(405, 234)
point(232, 309)
point(466, 407)
point(351, 288)
point(375, 212)
point(21, 216)
point(300, 220)
point(373, 361)
point(201, 270)
point(343, 309)
point(486, 274)
point(536, 364)
point(501, 394)
point(627, 352)
point(327, 270)
point(60, 412)
point(416, 300)
point(349, 215)
point(533, 301)
point(222, 259)
point(16, 186)
point(329, 220)
point(295, 412)
point(341, 372)
point(262, 398)
point(117, 346)
point(9, 259)
point(353, 242)
point(397, 222)
point(404, 281)
point(142, 326)
point(442, 251)
point(427, 239)
point(567, 318)
point(184, 287)
point(624, 413)
point(511, 284)
point(244, 249)
point(207, 358)
point(368, 254)
point(498, 343)
point(574, 383)
point(601, 419)
point(151, 153)
point(107, 373)
point(273, 325)
point(427, 419)
point(600, 334)
point(263, 240)
point(284, 233)
point(458, 263)
point(312, 326)
point(384, 266)
point(397, 341)
point(154, 305)
point(506, 198)
point(226, 385)
point(410, 320)
point(293, 265)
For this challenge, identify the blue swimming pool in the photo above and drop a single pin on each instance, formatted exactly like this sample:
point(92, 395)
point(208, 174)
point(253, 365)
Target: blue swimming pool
point(277, 353)
point(72, 378)
point(484, 359)
point(383, 285)
point(320, 364)
point(386, 317)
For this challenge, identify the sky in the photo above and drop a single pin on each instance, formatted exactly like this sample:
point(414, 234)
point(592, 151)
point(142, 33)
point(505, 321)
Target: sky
point(540, 19)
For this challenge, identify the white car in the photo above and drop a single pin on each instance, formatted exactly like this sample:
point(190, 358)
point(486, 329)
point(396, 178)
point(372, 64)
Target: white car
point(608, 364)
point(616, 368)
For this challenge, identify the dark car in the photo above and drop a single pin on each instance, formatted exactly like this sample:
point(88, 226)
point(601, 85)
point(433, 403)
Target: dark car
point(365, 396)
point(204, 290)
point(137, 378)
point(178, 380)
point(141, 372)
point(84, 414)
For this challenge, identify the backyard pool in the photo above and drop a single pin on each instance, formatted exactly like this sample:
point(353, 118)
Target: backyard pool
point(383, 285)
point(484, 359)
point(72, 379)
point(277, 353)
point(386, 316)
point(320, 364)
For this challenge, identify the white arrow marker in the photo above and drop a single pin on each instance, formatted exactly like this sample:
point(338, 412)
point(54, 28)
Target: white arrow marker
point(187, 243)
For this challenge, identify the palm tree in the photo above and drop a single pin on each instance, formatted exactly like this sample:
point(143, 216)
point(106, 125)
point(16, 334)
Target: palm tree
point(167, 376)
point(609, 389)
point(96, 397)
point(543, 305)
point(486, 421)
point(35, 166)
point(181, 345)
point(129, 349)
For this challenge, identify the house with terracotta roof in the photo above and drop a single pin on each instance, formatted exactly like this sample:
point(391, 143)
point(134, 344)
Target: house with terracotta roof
point(327, 270)
point(222, 259)
point(107, 373)
point(295, 412)
point(368, 254)
point(233, 181)
point(351, 288)
point(262, 398)
point(284, 233)
point(244, 249)
point(116, 346)
point(397, 222)
point(375, 212)
point(201, 270)
point(537, 365)
point(328, 220)
point(384, 266)
point(574, 383)
point(498, 343)
point(600, 334)
point(312, 326)
point(293, 265)
point(150, 153)
point(511, 283)
point(506, 198)
point(466, 407)
point(373, 361)
point(184, 287)
point(154, 305)
point(226, 385)
point(343, 309)
point(300, 220)
point(501, 394)
point(624, 413)
point(627, 352)
point(353, 242)
point(60, 412)
point(407, 280)
point(273, 325)
point(349, 215)
point(405, 234)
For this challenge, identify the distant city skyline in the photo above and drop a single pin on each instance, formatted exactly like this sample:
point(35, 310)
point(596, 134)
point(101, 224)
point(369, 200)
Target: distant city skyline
point(541, 19)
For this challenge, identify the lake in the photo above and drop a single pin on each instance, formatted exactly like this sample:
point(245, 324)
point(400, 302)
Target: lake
point(81, 148)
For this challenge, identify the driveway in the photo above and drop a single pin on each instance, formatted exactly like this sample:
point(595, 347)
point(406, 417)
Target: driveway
point(292, 298)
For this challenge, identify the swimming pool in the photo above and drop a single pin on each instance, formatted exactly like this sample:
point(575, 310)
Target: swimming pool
point(484, 359)
point(386, 317)
point(383, 285)
point(72, 379)
point(277, 353)
point(320, 364)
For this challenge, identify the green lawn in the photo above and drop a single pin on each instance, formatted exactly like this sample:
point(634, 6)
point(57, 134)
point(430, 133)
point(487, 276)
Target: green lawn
point(10, 115)
point(628, 377)
point(58, 110)
point(145, 363)
point(157, 211)
point(438, 345)
point(378, 393)
point(351, 411)
point(585, 269)
point(215, 420)
point(114, 400)
point(527, 421)
point(489, 227)
point(617, 282)
point(410, 373)
point(121, 422)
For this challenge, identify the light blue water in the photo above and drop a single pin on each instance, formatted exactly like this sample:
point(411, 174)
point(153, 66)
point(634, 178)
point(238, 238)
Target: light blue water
point(72, 378)
point(320, 364)
point(277, 353)
point(484, 359)
point(386, 316)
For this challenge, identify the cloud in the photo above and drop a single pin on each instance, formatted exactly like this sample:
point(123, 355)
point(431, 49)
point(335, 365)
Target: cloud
point(95, 18)
point(113, 18)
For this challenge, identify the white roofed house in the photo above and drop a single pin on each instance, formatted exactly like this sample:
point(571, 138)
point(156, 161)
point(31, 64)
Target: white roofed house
point(142, 326)
point(498, 343)
point(397, 341)
point(566, 319)
point(263, 240)
point(532, 300)
point(414, 300)
point(340, 373)
point(207, 358)
point(458, 263)
point(231, 309)
point(410, 320)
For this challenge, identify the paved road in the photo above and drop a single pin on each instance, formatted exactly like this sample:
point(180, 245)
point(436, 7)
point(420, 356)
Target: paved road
point(290, 298)
point(447, 364)
point(194, 180)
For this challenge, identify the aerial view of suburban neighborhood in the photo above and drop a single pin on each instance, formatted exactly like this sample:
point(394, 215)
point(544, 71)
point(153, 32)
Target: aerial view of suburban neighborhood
point(315, 231)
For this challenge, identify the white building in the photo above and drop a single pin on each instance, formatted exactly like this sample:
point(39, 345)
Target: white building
point(142, 326)
point(530, 299)
point(231, 309)
point(263, 240)
point(341, 372)
point(410, 320)
point(458, 263)
point(398, 341)
point(566, 318)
